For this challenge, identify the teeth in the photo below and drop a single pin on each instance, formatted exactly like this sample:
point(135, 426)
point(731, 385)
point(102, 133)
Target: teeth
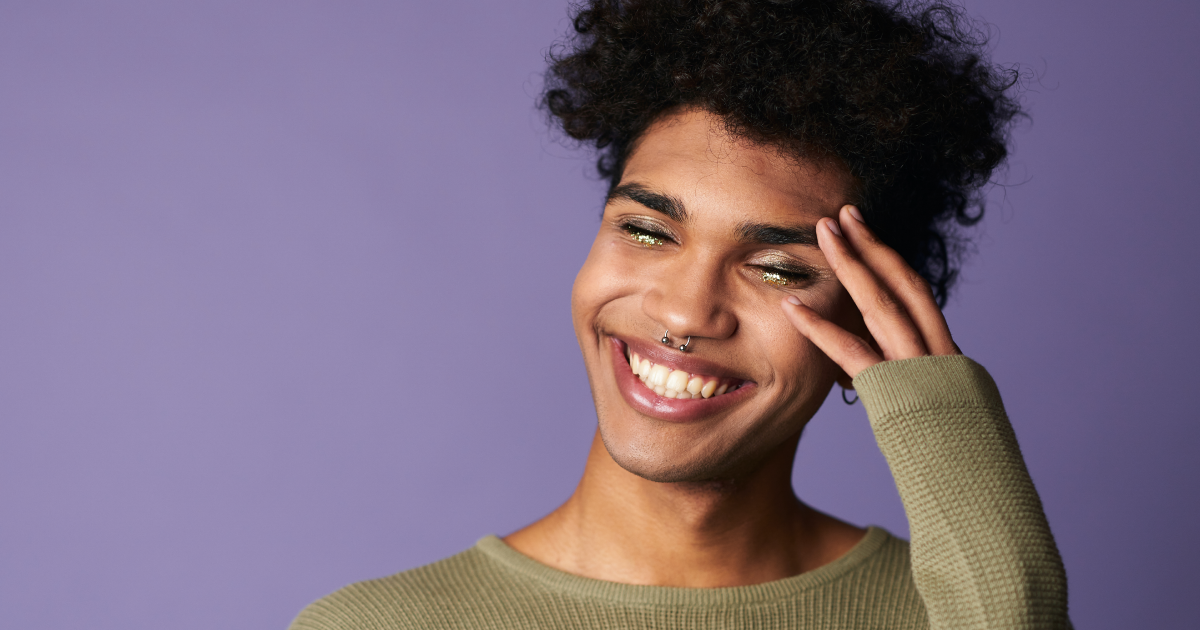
point(676, 384)
point(658, 377)
point(678, 381)
point(644, 369)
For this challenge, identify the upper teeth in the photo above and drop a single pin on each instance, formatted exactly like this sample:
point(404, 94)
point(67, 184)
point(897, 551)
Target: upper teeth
point(676, 383)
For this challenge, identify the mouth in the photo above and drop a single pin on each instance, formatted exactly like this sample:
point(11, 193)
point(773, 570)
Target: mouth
point(669, 382)
point(670, 385)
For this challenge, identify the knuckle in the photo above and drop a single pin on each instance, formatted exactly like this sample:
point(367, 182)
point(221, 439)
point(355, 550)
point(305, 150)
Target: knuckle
point(917, 283)
point(852, 346)
point(886, 303)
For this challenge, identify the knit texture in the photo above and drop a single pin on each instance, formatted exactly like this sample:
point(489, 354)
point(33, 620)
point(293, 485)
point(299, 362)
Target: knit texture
point(982, 555)
point(494, 586)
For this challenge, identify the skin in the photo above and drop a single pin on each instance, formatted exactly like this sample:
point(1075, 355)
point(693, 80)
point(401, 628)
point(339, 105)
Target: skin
point(708, 502)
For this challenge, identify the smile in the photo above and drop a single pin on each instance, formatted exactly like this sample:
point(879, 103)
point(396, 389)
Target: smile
point(674, 386)
point(671, 383)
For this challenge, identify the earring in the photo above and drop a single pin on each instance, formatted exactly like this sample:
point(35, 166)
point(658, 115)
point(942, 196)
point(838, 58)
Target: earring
point(847, 400)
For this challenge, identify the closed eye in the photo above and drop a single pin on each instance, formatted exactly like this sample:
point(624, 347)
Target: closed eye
point(781, 277)
point(643, 235)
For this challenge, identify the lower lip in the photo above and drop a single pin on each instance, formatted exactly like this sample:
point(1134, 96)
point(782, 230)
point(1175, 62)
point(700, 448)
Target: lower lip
point(645, 401)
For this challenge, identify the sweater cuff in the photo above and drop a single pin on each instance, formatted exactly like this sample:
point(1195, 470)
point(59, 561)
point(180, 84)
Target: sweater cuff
point(907, 385)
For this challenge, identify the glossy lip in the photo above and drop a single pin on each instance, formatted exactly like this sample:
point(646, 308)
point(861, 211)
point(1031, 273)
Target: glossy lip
point(646, 402)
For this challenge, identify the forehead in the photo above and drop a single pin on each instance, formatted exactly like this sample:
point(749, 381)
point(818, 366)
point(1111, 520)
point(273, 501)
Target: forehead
point(689, 155)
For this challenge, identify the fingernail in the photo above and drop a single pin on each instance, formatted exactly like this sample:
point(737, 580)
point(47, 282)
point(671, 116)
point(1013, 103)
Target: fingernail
point(794, 300)
point(855, 213)
point(833, 227)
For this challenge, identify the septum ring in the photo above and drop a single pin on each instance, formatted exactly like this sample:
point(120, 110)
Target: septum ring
point(666, 339)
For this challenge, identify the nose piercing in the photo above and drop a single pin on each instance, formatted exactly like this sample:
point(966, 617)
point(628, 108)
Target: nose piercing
point(666, 340)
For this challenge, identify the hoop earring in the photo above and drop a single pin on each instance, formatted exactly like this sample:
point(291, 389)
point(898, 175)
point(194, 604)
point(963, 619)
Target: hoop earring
point(847, 400)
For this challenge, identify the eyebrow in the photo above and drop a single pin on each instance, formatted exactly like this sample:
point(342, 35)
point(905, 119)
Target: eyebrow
point(776, 234)
point(659, 202)
point(747, 232)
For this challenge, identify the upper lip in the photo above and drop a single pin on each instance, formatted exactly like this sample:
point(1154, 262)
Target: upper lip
point(671, 357)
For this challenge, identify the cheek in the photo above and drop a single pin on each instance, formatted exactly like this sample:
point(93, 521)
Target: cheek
point(800, 365)
point(840, 309)
point(604, 277)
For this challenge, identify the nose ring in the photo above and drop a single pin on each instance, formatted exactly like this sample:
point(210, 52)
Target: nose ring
point(666, 340)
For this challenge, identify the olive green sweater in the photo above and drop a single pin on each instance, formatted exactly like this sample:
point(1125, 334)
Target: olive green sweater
point(982, 556)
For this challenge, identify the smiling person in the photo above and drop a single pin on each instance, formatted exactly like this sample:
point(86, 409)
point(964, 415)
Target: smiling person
point(787, 182)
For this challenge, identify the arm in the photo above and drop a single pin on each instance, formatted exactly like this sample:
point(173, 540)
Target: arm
point(982, 553)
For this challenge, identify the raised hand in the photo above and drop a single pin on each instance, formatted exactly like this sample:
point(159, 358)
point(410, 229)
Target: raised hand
point(897, 304)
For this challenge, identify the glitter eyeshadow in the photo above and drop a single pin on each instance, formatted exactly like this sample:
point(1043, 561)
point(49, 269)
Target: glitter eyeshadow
point(646, 239)
point(776, 279)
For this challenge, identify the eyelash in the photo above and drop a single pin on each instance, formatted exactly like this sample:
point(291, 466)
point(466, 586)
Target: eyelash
point(644, 237)
point(774, 276)
point(783, 277)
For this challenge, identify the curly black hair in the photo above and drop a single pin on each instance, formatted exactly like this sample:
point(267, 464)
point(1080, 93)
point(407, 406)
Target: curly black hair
point(903, 95)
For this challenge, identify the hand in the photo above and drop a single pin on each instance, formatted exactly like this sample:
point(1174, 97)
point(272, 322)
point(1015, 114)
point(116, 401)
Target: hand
point(896, 303)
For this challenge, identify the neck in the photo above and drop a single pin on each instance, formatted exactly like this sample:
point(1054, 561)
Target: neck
point(623, 528)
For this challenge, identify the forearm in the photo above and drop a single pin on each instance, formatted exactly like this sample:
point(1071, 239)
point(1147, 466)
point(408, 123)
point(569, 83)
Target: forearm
point(982, 552)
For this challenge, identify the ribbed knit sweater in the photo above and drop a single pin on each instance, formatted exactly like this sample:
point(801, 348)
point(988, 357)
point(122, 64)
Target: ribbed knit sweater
point(981, 557)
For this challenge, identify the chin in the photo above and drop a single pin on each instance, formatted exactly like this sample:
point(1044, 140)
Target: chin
point(662, 460)
point(662, 470)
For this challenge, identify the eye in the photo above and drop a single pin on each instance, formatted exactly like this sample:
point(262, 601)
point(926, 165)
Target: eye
point(775, 278)
point(784, 277)
point(643, 236)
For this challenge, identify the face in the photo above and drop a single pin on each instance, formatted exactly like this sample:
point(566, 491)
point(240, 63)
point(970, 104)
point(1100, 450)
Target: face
point(705, 236)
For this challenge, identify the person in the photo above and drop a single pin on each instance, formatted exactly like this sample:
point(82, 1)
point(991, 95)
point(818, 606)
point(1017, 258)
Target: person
point(789, 183)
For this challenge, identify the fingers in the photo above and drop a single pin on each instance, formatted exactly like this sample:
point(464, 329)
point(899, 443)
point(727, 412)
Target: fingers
point(846, 349)
point(909, 288)
point(886, 317)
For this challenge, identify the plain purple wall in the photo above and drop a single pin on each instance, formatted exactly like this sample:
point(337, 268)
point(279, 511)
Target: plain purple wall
point(284, 302)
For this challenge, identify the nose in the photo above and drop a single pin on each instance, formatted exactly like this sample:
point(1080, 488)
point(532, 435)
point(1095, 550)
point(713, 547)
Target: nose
point(689, 299)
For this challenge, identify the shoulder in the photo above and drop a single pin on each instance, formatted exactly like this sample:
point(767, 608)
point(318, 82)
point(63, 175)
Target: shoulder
point(445, 594)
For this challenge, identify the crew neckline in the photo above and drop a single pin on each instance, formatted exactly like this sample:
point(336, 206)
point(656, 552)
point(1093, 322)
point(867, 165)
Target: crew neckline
point(557, 580)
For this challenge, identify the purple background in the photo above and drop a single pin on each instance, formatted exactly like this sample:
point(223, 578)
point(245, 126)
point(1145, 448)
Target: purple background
point(284, 302)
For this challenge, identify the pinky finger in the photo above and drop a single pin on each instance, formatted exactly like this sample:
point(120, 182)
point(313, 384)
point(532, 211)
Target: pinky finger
point(848, 350)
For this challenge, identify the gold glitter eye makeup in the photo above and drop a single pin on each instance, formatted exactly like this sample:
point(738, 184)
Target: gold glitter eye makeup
point(775, 278)
point(647, 240)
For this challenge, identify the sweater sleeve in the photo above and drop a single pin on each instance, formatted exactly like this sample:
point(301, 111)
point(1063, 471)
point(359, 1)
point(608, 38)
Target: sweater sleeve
point(982, 553)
